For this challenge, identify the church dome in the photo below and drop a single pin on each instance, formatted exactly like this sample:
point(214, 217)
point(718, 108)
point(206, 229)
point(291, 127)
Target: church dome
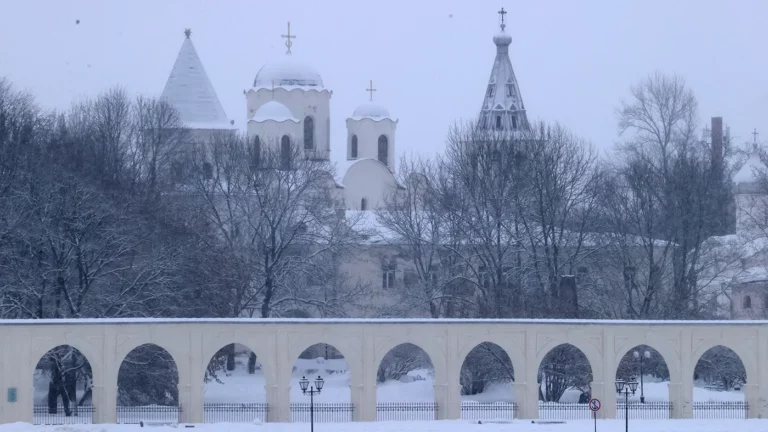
point(502, 38)
point(370, 110)
point(273, 110)
point(288, 72)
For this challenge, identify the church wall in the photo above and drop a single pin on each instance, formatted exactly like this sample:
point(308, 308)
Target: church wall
point(368, 132)
point(270, 132)
point(302, 103)
point(367, 179)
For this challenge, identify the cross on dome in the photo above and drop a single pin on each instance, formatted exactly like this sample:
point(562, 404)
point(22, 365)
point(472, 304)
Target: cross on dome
point(187, 32)
point(288, 38)
point(502, 12)
point(370, 89)
point(754, 136)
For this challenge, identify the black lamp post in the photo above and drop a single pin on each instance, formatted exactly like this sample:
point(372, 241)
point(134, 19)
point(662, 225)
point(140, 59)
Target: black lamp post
point(311, 391)
point(626, 387)
point(646, 354)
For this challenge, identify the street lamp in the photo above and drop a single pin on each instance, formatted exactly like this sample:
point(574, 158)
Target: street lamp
point(311, 391)
point(646, 354)
point(626, 387)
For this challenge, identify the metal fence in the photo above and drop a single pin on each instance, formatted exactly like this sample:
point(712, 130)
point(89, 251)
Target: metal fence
point(42, 415)
point(720, 410)
point(148, 413)
point(324, 412)
point(488, 410)
point(564, 411)
point(397, 411)
point(235, 412)
point(651, 410)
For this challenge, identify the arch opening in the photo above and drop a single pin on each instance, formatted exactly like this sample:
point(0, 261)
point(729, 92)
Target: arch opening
point(486, 378)
point(353, 148)
point(62, 387)
point(309, 133)
point(148, 386)
point(719, 376)
point(333, 402)
point(234, 386)
point(646, 366)
point(405, 374)
point(565, 376)
point(285, 152)
point(383, 150)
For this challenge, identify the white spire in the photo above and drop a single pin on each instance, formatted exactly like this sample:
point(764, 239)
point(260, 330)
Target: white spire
point(503, 107)
point(190, 91)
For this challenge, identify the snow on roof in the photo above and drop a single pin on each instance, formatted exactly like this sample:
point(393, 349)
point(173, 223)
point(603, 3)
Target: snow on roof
point(273, 110)
point(190, 91)
point(370, 110)
point(287, 72)
point(751, 169)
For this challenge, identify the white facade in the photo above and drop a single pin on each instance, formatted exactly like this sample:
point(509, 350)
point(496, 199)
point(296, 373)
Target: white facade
point(371, 137)
point(367, 184)
point(278, 343)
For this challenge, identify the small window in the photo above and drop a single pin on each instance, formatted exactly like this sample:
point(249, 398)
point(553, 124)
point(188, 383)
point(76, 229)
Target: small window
point(489, 93)
point(285, 152)
point(256, 152)
point(514, 122)
point(309, 133)
point(353, 147)
point(364, 204)
point(383, 150)
point(747, 302)
point(498, 122)
point(510, 90)
point(388, 275)
point(207, 170)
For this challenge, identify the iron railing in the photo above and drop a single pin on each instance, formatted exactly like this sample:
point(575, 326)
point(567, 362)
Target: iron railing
point(564, 411)
point(397, 411)
point(720, 410)
point(651, 410)
point(323, 412)
point(488, 410)
point(42, 415)
point(235, 412)
point(148, 413)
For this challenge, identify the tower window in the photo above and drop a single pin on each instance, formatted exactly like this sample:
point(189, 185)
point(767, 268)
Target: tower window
point(489, 93)
point(256, 152)
point(514, 122)
point(207, 170)
point(364, 204)
point(747, 302)
point(383, 149)
point(285, 152)
point(353, 148)
point(510, 90)
point(309, 133)
point(498, 122)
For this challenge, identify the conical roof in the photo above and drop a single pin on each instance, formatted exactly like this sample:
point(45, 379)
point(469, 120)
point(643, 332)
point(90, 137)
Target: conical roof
point(190, 91)
point(503, 107)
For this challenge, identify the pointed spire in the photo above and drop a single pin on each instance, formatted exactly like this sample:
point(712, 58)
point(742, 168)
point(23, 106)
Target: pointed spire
point(190, 91)
point(503, 107)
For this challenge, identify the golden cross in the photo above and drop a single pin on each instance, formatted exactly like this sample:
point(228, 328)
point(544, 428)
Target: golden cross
point(370, 89)
point(288, 38)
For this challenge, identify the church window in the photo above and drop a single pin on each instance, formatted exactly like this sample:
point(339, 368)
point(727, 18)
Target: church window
point(514, 122)
point(498, 122)
point(364, 204)
point(747, 302)
point(510, 90)
point(309, 133)
point(207, 170)
point(285, 152)
point(353, 148)
point(256, 152)
point(383, 149)
point(388, 275)
point(490, 91)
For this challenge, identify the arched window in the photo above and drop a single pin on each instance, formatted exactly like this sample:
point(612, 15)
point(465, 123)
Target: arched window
point(383, 149)
point(207, 170)
point(353, 148)
point(364, 204)
point(309, 133)
point(498, 122)
point(285, 152)
point(747, 302)
point(256, 152)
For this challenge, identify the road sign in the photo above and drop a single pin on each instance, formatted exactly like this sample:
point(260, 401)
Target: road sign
point(594, 405)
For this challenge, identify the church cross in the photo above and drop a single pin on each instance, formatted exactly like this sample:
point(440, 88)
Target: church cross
point(288, 38)
point(187, 32)
point(754, 135)
point(502, 12)
point(370, 89)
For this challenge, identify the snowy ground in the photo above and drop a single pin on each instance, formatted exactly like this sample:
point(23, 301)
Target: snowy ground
point(433, 426)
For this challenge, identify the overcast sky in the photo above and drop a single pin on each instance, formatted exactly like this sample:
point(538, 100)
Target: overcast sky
point(430, 61)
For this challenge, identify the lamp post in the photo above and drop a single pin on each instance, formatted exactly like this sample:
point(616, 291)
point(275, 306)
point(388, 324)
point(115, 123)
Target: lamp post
point(626, 387)
point(311, 391)
point(646, 354)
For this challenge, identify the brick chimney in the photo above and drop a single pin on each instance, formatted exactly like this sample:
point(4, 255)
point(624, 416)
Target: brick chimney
point(717, 142)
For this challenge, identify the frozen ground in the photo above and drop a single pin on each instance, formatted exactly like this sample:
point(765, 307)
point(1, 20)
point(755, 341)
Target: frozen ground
point(433, 426)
